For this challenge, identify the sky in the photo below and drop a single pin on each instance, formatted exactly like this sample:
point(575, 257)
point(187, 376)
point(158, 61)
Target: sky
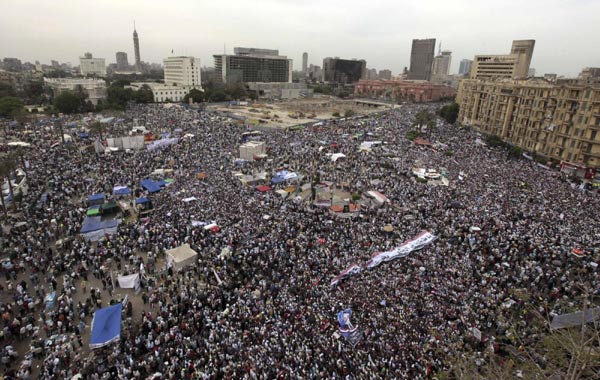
point(567, 32)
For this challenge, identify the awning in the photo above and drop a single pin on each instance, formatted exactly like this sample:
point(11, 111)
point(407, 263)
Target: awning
point(106, 326)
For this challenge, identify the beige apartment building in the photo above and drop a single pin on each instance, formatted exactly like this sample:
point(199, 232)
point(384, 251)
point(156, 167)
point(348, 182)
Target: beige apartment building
point(558, 121)
point(514, 65)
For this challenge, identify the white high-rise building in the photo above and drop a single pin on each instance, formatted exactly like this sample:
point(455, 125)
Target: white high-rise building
point(92, 66)
point(182, 71)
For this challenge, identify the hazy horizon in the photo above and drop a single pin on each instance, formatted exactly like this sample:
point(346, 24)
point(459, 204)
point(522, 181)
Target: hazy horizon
point(380, 32)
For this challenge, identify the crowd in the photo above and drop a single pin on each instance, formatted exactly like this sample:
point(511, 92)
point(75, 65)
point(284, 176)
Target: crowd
point(266, 310)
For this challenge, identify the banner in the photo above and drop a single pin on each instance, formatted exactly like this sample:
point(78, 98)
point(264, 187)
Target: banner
point(350, 332)
point(350, 271)
point(414, 244)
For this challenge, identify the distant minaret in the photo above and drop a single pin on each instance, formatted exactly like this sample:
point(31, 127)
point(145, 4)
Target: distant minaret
point(136, 48)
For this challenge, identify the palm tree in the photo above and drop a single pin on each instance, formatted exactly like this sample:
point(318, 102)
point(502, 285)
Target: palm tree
point(6, 168)
point(98, 128)
point(60, 130)
point(20, 153)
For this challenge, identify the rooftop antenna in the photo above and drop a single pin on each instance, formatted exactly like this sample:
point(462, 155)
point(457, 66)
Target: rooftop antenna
point(134, 25)
point(224, 49)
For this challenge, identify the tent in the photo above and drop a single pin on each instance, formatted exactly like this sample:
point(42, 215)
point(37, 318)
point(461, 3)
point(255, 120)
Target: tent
point(106, 326)
point(139, 201)
point(575, 319)
point(212, 226)
point(181, 256)
point(93, 211)
point(121, 190)
point(93, 228)
point(336, 156)
point(152, 186)
point(96, 199)
point(263, 188)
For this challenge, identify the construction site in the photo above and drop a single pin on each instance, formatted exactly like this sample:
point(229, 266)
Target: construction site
point(298, 112)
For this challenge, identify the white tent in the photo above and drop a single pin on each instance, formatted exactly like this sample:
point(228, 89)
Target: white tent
point(129, 282)
point(336, 156)
point(181, 256)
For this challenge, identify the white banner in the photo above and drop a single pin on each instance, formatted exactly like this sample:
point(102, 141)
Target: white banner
point(414, 244)
point(129, 282)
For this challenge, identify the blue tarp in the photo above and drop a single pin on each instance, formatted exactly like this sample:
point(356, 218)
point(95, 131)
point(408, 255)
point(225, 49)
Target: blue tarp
point(84, 135)
point(121, 190)
point(106, 326)
point(141, 200)
point(96, 197)
point(152, 186)
point(95, 223)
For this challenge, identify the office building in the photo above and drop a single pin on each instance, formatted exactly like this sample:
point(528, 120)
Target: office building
point(280, 90)
point(122, 63)
point(253, 65)
point(94, 89)
point(523, 49)
point(182, 71)
point(558, 121)
point(385, 74)
point(305, 63)
point(136, 50)
point(88, 65)
point(344, 71)
point(514, 65)
point(441, 66)
point(421, 59)
point(315, 73)
point(465, 67)
point(371, 74)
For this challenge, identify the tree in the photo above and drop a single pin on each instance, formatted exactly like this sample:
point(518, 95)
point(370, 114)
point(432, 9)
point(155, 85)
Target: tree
point(450, 112)
point(7, 167)
point(34, 92)
point(349, 113)
point(98, 128)
point(195, 94)
point(9, 105)
point(218, 96)
point(68, 102)
point(117, 97)
point(6, 90)
point(335, 114)
point(236, 91)
point(144, 95)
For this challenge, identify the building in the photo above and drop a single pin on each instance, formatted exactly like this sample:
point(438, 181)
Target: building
point(183, 71)
point(465, 67)
point(280, 90)
point(371, 74)
point(95, 89)
point(421, 59)
point(441, 66)
point(590, 72)
point(558, 121)
point(531, 72)
point(344, 71)
point(253, 65)
point(403, 90)
point(509, 66)
point(385, 74)
point(523, 49)
point(136, 50)
point(305, 64)
point(162, 92)
point(89, 65)
point(12, 64)
point(315, 73)
point(122, 63)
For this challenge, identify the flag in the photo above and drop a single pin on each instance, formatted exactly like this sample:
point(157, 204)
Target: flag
point(414, 244)
point(350, 332)
point(350, 271)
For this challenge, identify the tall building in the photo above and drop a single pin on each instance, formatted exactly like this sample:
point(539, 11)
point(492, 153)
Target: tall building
point(558, 121)
point(88, 65)
point(385, 74)
point(55, 64)
point(136, 50)
point(305, 63)
point(465, 67)
point(122, 63)
point(12, 64)
point(421, 59)
point(514, 65)
point(344, 71)
point(253, 65)
point(531, 72)
point(441, 66)
point(182, 71)
point(523, 49)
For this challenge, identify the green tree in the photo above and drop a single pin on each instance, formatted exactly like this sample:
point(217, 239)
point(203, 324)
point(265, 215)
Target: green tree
point(98, 128)
point(34, 92)
point(219, 95)
point(9, 105)
point(6, 90)
point(195, 94)
point(349, 113)
point(335, 114)
point(68, 102)
point(450, 112)
point(117, 97)
point(144, 95)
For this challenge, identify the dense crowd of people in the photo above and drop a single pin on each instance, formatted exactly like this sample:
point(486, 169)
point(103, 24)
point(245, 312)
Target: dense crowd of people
point(258, 303)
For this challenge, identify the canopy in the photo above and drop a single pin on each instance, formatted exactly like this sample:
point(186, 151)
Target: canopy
point(336, 156)
point(96, 197)
point(152, 186)
point(181, 256)
point(129, 282)
point(141, 200)
point(94, 210)
point(121, 190)
point(263, 188)
point(106, 326)
point(93, 227)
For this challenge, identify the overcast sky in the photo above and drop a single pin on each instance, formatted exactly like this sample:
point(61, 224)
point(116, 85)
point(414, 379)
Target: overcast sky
point(567, 32)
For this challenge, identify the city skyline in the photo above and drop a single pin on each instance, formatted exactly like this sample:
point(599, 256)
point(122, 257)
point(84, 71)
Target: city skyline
point(62, 31)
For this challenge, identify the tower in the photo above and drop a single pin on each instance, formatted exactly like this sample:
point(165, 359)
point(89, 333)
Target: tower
point(304, 63)
point(136, 48)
